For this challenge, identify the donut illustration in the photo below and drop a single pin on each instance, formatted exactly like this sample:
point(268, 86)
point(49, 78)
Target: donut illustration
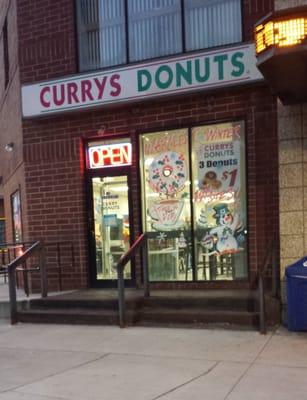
point(210, 181)
point(167, 173)
point(210, 176)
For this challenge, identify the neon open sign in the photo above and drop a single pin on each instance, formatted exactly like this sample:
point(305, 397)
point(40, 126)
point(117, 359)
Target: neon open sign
point(110, 155)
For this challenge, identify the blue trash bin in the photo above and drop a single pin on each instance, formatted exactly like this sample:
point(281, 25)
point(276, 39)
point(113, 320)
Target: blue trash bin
point(296, 276)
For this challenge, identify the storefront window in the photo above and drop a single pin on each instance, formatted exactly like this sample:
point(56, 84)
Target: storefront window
point(166, 202)
point(102, 33)
point(155, 28)
point(214, 246)
point(219, 199)
point(211, 23)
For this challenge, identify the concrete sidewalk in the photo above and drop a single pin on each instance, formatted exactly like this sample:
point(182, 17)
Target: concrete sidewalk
point(52, 362)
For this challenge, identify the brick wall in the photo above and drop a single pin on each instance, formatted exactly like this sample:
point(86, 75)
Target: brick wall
point(11, 165)
point(47, 47)
point(56, 196)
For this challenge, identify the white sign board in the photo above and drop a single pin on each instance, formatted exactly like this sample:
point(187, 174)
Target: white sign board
point(185, 73)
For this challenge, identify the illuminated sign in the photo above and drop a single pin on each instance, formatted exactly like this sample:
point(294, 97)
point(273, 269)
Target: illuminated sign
point(280, 33)
point(281, 50)
point(205, 70)
point(110, 155)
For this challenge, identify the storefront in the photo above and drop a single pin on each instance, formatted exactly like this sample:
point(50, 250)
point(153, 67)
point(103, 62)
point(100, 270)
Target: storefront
point(181, 148)
point(192, 197)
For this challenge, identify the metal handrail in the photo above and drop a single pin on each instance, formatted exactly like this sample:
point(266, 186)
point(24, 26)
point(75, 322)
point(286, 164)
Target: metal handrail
point(141, 242)
point(270, 258)
point(11, 269)
point(9, 251)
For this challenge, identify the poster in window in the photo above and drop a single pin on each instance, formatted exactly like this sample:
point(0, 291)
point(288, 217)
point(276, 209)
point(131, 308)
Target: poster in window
point(16, 216)
point(219, 191)
point(167, 176)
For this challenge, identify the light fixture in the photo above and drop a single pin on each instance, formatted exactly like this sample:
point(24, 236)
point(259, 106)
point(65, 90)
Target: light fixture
point(285, 32)
point(9, 147)
point(281, 50)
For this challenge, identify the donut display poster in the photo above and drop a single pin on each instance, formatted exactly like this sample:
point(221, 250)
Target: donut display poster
point(166, 176)
point(219, 190)
point(167, 173)
point(218, 157)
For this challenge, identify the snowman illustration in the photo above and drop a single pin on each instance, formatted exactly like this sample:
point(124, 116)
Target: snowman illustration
point(227, 225)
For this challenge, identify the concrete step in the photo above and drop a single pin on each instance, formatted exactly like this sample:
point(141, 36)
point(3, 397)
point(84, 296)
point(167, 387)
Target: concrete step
point(193, 308)
point(241, 300)
point(234, 303)
point(146, 316)
point(82, 316)
point(197, 317)
point(103, 304)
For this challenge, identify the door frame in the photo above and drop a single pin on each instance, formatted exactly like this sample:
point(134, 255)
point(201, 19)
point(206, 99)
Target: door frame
point(102, 173)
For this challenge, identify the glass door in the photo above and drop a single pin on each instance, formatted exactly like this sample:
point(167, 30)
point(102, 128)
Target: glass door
point(111, 225)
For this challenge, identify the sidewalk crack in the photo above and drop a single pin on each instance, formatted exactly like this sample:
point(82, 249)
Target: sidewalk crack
point(249, 367)
point(30, 382)
point(187, 382)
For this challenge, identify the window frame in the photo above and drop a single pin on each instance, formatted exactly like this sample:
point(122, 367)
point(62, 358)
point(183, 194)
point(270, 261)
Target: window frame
point(127, 52)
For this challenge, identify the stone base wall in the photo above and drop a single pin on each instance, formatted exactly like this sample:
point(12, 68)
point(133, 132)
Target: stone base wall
point(292, 131)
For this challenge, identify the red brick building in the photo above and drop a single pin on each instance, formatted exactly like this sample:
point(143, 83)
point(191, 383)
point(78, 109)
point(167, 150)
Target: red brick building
point(174, 85)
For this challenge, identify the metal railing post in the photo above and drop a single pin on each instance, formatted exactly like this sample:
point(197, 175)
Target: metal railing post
point(58, 249)
point(145, 268)
point(25, 274)
point(262, 316)
point(42, 266)
point(12, 294)
point(121, 296)
point(125, 258)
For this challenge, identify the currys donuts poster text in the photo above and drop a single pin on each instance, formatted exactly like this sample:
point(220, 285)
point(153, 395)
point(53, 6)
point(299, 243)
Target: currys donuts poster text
point(218, 157)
